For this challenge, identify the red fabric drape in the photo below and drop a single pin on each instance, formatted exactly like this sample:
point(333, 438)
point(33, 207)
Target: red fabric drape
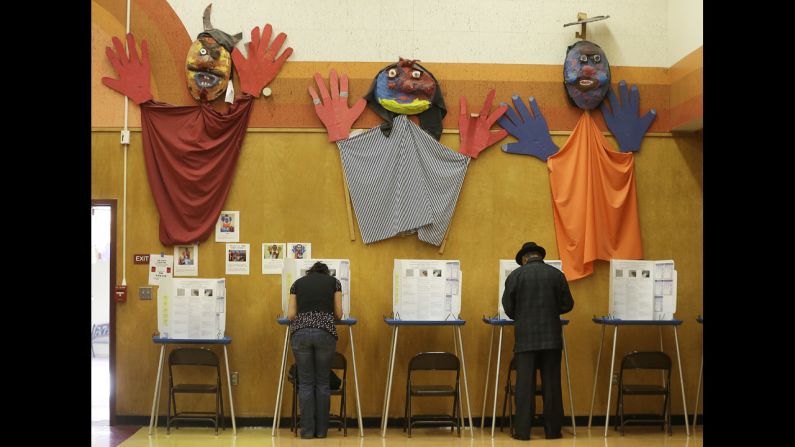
point(594, 201)
point(191, 153)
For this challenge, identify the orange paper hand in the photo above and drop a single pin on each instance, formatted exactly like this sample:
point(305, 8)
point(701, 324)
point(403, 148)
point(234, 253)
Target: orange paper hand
point(333, 110)
point(474, 132)
point(133, 72)
point(262, 65)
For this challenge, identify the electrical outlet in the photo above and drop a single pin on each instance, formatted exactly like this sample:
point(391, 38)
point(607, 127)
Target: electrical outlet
point(235, 377)
point(615, 379)
point(145, 293)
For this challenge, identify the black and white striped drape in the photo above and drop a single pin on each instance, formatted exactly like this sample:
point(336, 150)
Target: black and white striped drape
point(406, 182)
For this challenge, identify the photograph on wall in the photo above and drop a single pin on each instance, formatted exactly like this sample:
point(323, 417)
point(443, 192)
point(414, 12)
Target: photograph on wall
point(237, 259)
point(187, 257)
point(273, 258)
point(160, 267)
point(227, 229)
point(299, 250)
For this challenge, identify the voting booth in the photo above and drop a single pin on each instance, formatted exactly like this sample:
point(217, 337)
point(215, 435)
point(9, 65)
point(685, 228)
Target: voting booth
point(642, 289)
point(191, 308)
point(426, 289)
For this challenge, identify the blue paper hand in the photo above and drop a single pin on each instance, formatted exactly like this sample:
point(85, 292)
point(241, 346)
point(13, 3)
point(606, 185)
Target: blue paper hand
point(624, 120)
point(531, 131)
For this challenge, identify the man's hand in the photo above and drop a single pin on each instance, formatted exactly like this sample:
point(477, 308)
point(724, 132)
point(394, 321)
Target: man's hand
point(333, 110)
point(531, 131)
point(262, 65)
point(474, 132)
point(133, 72)
point(623, 121)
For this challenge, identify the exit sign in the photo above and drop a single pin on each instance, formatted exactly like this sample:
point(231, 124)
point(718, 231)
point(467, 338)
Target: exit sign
point(141, 259)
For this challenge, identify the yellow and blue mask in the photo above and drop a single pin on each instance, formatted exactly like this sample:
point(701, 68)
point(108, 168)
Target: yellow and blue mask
point(407, 88)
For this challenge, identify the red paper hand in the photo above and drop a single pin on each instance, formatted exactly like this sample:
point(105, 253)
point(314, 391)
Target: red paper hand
point(133, 73)
point(333, 110)
point(262, 64)
point(474, 132)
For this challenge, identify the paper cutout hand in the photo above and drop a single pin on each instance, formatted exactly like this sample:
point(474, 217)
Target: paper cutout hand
point(474, 133)
point(262, 65)
point(531, 130)
point(623, 121)
point(333, 110)
point(133, 72)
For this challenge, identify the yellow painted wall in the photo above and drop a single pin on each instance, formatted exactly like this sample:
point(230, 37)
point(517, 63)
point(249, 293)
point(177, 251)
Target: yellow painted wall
point(288, 187)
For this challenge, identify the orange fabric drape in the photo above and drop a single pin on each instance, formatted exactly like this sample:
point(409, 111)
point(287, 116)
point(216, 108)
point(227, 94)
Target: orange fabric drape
point(594, 201)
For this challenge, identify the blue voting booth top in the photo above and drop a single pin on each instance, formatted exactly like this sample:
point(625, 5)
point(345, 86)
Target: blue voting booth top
point(192, 341)
point(399, 322)
point(619, 322)
point(497, 321)
point(346, 322)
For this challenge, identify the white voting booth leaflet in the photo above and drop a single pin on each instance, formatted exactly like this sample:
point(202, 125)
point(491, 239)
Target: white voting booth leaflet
point(506, 267)
point(338, 268)
point(642, 290)
point(425, 289)
point(192, 308)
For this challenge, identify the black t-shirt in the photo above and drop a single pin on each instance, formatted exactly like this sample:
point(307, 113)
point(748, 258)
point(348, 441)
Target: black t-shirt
point(315, 302)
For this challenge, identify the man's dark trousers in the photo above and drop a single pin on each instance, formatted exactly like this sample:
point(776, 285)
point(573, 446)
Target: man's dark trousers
point(548, 360)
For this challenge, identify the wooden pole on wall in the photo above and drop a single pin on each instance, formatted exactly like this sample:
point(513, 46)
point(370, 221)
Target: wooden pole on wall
point(348, 205)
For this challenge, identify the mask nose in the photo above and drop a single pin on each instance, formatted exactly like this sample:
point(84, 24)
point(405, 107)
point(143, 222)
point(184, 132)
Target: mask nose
point(588, 71)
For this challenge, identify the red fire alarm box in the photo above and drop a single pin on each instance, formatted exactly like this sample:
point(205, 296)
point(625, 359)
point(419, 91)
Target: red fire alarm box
point(121, 294)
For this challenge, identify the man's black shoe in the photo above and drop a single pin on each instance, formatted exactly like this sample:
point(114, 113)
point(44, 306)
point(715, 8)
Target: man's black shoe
point(520, 438)
point(556, 436)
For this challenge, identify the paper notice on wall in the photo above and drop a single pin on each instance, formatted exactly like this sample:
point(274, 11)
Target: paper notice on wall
point(187, 257)
point(299, 250)
point(237, 259)
point(160, 267)
point(273, 257)
point(227, 228)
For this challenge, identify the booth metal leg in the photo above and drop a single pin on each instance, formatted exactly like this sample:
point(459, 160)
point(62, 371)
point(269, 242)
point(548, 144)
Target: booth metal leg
point(279, 391)
point(464, 368)
point(388, 391)
point(486, 389)
point(681, 380)
point(568, 380)
point(610, 379)
point(698, 390)
point(356, 383)
point(595, 375)
point(156, 397)
point(496, 383)
point(229, 386)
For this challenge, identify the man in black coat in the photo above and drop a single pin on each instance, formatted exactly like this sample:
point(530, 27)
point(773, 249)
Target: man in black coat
point(535, 296)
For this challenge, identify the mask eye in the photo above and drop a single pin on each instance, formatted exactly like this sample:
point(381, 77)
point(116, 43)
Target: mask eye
point(416, 74)
point(597, 58)
point(391, 73)
point(203, 51)
point(583, 58)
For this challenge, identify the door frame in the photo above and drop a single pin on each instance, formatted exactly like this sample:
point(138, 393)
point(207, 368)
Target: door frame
point(112, 203)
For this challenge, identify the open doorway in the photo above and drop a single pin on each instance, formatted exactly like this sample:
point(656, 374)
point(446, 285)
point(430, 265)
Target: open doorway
point(103, 274)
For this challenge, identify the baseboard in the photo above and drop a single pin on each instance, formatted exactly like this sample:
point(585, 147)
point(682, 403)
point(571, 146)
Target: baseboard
point(375, 422)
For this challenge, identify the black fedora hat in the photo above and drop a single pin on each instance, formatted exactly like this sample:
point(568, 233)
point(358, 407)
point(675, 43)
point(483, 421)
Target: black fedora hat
point(528, 247)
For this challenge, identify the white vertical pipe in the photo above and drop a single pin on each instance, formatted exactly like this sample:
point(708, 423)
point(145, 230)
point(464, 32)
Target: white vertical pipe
point(124, 199)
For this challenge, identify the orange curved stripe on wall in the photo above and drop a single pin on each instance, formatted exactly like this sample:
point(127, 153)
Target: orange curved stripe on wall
point(291, 106)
